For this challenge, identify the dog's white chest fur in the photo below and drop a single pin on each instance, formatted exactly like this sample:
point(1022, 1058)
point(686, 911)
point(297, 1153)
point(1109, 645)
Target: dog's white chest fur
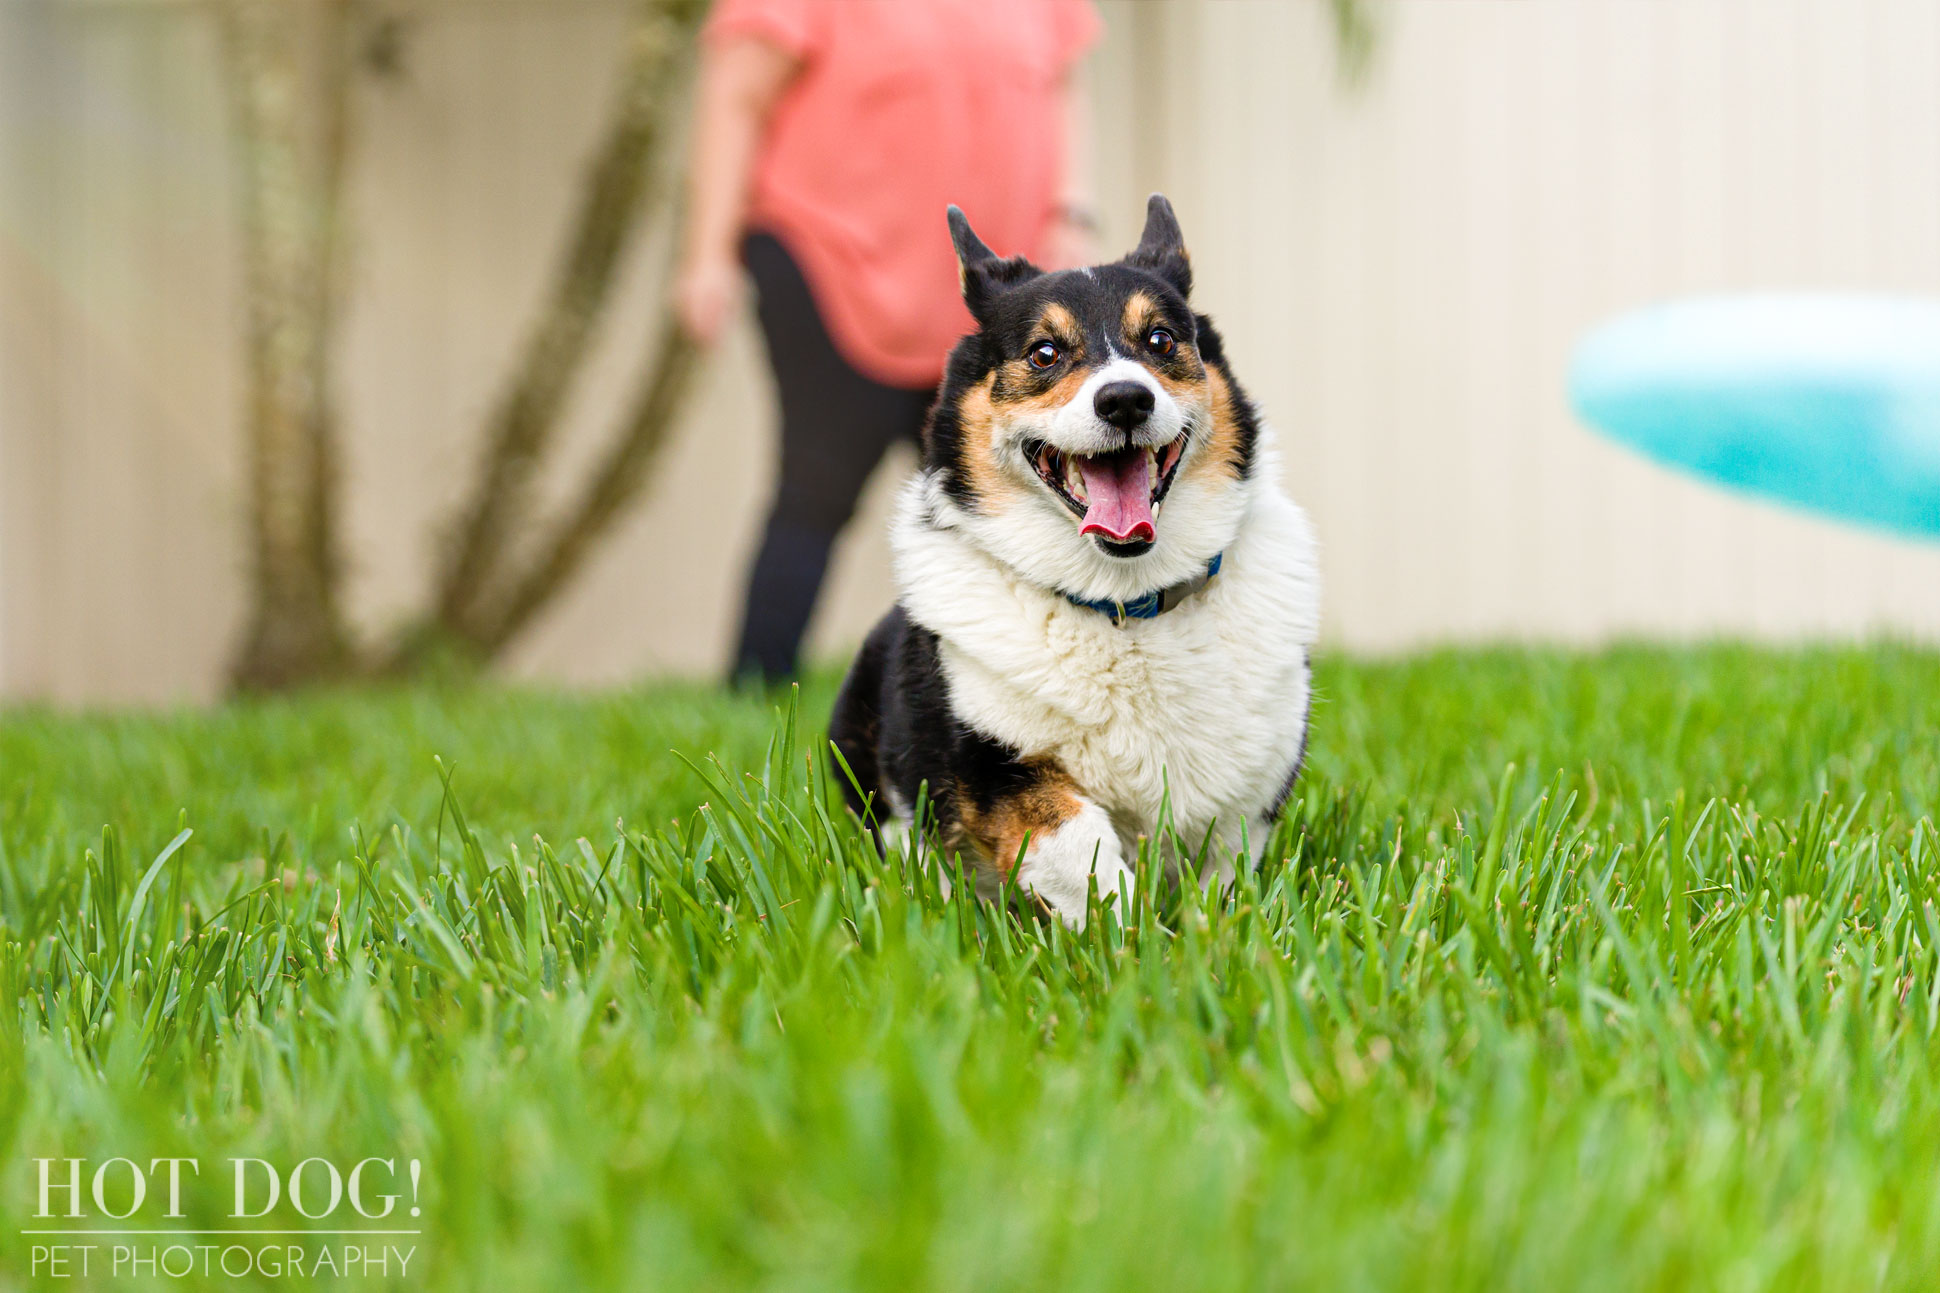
point(1203, 708)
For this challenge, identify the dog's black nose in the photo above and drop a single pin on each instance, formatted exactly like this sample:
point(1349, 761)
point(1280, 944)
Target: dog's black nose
point(1124, 404)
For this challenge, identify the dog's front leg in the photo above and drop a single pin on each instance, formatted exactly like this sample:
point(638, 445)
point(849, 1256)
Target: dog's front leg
point(1055, 837)
point(1058, 864)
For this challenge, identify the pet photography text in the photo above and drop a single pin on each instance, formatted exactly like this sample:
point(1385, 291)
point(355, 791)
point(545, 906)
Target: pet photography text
point(106, 1219)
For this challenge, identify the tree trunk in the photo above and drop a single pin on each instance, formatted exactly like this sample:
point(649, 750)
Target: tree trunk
point(613, 484)
point(290, 67)
point(288, 64)
point(472, 589)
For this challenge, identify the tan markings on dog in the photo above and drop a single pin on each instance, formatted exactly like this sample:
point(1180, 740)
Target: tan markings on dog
point(1191, 389)
point(987, 480)
point(1048, 802)
point(1141, 312)
point(1060, 325)
point(1017, 373)
point(1140, 317)
point(1221, 451)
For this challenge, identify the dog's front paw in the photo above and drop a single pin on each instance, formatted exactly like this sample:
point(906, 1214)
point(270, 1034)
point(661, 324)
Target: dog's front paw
point(1058, 865)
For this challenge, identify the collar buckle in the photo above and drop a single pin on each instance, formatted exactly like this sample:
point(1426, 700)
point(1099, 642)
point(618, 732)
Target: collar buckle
point(1152, 604)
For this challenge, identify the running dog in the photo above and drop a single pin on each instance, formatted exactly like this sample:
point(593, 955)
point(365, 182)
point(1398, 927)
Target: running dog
point(1105, 600)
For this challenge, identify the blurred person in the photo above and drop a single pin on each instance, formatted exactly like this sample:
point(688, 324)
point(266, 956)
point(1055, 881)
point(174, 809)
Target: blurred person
point(829, 137)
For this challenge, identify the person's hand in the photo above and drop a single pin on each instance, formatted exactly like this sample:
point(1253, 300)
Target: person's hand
point(705, 293)
point(1070, 244)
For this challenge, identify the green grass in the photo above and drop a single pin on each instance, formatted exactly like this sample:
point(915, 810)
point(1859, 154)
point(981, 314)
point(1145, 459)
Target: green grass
point(1657, 1008)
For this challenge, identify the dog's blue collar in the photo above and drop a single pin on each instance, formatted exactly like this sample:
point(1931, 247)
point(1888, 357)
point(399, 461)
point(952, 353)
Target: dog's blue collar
point(1153, 604)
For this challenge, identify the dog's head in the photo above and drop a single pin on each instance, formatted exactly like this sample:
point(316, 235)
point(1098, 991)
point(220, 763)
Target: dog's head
point(1088, 433)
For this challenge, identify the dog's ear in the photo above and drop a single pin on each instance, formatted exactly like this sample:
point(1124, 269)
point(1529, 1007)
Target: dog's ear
point(1162, 247)
point(982, 273)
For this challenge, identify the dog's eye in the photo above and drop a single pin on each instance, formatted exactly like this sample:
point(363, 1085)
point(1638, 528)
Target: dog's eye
point(1044, 354)
point(1160, 342)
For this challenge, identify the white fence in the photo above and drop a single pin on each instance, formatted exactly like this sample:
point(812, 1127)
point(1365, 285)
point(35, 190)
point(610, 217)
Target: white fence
point(1401, 270)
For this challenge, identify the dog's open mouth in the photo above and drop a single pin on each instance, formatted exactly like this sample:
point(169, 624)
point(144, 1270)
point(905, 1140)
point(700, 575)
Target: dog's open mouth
point(1116, 495)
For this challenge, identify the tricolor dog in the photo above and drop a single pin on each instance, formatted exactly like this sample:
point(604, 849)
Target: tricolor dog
point(1106, 602)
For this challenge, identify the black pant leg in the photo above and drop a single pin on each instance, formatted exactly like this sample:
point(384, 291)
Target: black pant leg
point(836, 424)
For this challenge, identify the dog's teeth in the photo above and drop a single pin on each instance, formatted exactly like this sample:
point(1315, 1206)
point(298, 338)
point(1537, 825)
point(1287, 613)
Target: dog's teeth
point(1074, 480)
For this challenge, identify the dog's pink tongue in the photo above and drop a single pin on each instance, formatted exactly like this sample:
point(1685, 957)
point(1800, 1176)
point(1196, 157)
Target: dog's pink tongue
point(1119, 488)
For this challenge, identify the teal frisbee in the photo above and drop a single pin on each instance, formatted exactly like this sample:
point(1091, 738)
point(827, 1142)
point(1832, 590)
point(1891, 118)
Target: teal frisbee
point(1827, 402)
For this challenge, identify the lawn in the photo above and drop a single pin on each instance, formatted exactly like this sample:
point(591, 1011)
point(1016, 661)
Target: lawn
point(1613, 970)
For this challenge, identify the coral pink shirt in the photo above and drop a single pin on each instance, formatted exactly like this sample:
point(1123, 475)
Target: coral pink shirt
point(901, 108)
